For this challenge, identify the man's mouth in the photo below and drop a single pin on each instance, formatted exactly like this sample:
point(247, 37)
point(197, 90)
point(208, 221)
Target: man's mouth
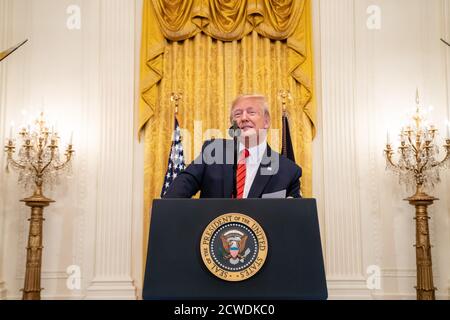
point(246, 127)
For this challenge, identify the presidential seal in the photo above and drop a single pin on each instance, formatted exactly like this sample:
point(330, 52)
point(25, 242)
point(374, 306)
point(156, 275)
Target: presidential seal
point(234, 247)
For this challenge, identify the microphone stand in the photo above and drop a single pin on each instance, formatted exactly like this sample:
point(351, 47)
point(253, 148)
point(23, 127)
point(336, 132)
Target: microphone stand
point(235, 133)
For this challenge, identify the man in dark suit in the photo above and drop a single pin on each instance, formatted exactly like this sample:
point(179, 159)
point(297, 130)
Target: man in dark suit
point(260, 172)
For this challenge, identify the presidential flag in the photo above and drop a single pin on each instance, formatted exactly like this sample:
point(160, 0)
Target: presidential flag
point(176, 159)
point(287, 149)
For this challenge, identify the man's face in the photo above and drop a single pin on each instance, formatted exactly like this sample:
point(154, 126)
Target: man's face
point(250, 117)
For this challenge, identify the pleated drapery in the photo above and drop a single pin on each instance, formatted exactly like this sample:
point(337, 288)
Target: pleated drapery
point(211, 51)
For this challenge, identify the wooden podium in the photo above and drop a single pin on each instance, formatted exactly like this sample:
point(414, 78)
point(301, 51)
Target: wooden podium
point(293, 269)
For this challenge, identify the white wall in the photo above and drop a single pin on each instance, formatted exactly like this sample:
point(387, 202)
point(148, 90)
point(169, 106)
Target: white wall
point(368, 80)
point(87, 80)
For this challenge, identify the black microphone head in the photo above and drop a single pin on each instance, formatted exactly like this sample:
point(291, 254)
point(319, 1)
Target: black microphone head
point(234, 130)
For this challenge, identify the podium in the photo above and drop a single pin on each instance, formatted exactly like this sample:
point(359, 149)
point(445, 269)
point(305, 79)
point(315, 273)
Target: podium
point(293, 268)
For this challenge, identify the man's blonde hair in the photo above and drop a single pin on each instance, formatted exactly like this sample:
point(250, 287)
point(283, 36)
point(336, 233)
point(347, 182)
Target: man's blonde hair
point(262, 98)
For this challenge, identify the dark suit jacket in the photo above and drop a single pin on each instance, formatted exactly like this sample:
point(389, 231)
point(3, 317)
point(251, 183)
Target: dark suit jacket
point(215, 180)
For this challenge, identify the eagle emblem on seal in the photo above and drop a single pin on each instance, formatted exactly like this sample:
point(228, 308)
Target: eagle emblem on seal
point(233, 243)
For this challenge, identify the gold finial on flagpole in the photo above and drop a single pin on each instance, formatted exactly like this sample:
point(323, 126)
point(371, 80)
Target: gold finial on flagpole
point(176, 98)
point(284, 95)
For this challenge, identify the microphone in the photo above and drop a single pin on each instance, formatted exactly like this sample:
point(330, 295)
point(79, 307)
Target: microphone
point(234, 131)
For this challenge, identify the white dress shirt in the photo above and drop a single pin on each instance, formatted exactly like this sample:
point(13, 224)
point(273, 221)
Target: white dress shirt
point(252, 163)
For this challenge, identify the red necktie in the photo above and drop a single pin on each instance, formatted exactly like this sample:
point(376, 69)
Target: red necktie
point(240, 174)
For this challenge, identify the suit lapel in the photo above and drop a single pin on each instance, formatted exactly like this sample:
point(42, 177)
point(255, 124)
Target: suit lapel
point(260, 181)
point(228, 171)
point(227, 181)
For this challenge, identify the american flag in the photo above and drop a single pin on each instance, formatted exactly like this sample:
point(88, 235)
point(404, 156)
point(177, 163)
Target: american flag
point(176, 159)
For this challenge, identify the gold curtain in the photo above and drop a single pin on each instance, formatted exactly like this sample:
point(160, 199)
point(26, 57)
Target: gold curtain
point(211, 51)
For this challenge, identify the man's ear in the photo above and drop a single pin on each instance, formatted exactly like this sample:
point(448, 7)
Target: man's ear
point(266, 122)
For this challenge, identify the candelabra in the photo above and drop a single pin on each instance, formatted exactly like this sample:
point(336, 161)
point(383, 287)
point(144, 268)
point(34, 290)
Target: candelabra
point(418, 167)
point(38, 163)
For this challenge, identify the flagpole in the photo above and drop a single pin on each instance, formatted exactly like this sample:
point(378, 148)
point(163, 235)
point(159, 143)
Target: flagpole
point(284, 95)
point(6, 53)
point(175, 98)
point(447, 43)
point(176, 162)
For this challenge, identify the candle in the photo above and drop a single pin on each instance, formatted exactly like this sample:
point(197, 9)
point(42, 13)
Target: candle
point(71, 138)
point(448, 129)
point(388, 140)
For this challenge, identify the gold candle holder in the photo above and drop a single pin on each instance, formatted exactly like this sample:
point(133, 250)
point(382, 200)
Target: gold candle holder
point(38, 163)
point(418, 167)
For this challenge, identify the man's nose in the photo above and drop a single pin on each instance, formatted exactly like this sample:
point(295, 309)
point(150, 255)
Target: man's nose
point(244, 116)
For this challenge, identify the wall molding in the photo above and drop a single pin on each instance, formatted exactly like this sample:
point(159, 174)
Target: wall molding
point(446, 35)
point(318, 180)
point(348, 289)
point(113, 251)
point(5, 22)
point(341, 199)
point(406, 278)
point(90, 117)
point(51, 297)
point(398, 273)
point(138, 182)
point(448, 289)
point(2, 290)
point(110, 289)
point(369, 165)
point(404, 296)
point(445, 14)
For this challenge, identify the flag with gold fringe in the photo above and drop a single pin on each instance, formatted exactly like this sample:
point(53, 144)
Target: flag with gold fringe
point(176, 159)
